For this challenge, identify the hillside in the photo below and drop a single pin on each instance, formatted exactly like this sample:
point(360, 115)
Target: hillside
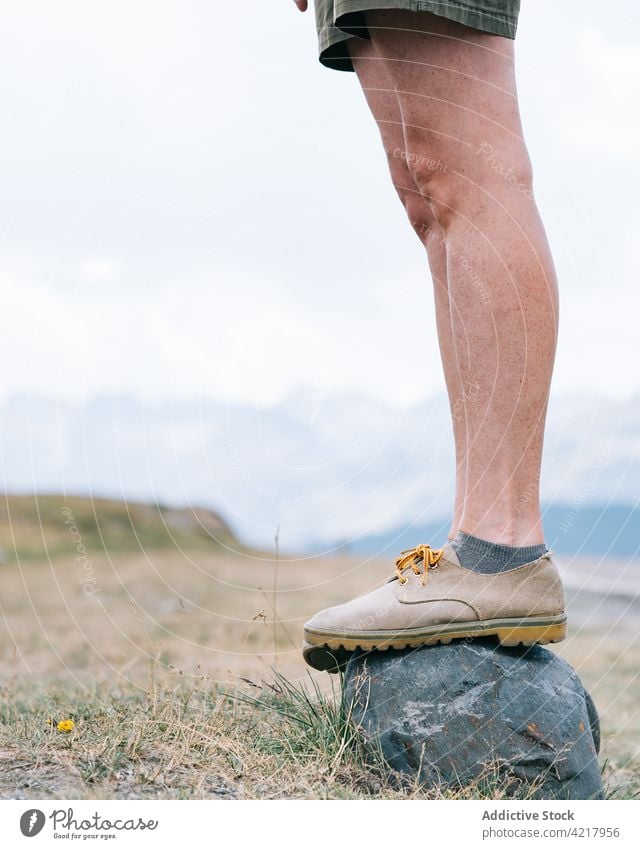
point(37, 526)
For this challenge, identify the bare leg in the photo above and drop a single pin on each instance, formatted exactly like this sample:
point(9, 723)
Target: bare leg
point(383, 102)
point(457, 96)
point(462, 171)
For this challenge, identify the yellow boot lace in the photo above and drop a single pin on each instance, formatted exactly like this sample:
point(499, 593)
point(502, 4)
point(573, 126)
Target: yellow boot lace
point(413, 556)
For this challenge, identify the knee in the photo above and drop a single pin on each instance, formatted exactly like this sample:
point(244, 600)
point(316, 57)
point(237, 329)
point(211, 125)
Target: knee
point(509, 166)
point(457, 178)
point(417, 208)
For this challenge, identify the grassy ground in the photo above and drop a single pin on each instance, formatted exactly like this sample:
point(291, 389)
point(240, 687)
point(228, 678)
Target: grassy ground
point(182, 684)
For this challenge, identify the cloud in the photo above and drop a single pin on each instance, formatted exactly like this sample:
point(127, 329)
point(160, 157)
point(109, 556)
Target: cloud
point(192, 207)
point(223, 331)
point(603, 119)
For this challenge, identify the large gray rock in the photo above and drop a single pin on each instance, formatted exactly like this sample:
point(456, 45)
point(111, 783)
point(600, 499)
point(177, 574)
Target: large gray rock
point(450, 714)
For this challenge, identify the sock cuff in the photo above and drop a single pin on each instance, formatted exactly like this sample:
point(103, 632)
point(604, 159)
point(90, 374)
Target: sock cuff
point(480, 554)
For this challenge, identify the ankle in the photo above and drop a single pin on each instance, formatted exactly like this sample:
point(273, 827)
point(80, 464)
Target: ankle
point(516, 532)
point(490, 558)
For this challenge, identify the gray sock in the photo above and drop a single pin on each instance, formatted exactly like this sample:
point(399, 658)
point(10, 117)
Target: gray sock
point(490, 558)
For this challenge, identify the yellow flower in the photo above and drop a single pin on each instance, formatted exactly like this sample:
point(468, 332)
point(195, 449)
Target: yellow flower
point(65, 725)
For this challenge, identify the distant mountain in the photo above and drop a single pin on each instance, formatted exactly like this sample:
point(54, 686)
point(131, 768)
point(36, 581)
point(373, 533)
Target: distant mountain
point(612, 530)
point(321, 467)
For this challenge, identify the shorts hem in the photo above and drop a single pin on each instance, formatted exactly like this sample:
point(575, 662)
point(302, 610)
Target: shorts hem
point(333, 49)
point(350, 22)
point(350, 17)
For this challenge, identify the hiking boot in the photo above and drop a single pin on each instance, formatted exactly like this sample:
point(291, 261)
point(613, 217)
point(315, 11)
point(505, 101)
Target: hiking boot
point(433, 599)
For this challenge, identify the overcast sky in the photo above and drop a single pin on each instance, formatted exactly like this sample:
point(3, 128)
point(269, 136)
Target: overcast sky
point(192, 205)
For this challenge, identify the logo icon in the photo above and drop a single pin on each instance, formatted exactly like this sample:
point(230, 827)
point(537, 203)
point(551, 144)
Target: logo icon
point(32, 822)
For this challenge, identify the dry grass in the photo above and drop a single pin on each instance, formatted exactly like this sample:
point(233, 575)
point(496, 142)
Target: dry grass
point(151, 665)
point(192, 741)
point(609, 667)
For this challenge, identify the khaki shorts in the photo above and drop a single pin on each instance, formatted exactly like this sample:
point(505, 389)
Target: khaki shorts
point(339, 20)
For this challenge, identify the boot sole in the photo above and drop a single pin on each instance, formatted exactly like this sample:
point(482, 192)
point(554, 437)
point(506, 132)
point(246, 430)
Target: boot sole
point(330, 652)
